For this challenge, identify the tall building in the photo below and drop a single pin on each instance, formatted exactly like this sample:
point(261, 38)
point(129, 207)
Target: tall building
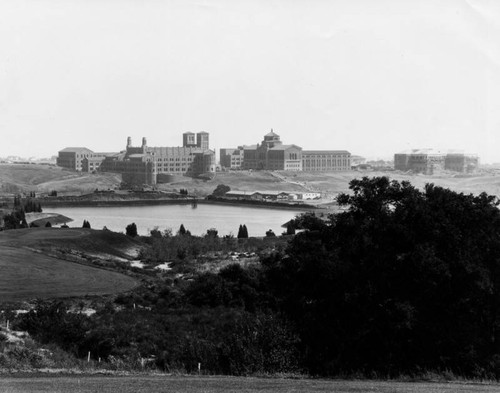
point(201, 141)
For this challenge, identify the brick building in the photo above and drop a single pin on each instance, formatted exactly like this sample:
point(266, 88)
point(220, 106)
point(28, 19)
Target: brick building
point(231, 158)
point(272, 154)
point(149, 165)
point(326, 160)
point(80, 159)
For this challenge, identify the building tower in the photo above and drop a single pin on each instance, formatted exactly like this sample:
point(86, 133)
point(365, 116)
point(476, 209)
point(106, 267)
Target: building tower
point(202, 140)
point(188, 139)
point(129, 142)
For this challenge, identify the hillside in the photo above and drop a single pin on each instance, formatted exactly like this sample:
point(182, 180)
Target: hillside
point(15, 178)
point(40, 263)
point(43, 178)
point(332, 183)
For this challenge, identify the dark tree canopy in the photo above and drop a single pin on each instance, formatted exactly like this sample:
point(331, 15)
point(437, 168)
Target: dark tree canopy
point(220, 190)
point(403, 280)
point(131, 230)
point(242, 232)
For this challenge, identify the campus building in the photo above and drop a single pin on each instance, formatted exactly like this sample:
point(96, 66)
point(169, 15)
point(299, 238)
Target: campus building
point(231, 158)
point(428, 161)
point(144, 164)
point(151, 165)
point(80, 159)
point(272, 154)
point(326, 160)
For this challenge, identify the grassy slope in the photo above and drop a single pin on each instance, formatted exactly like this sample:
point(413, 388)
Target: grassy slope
point(242, 181)
point(27, 274)
point(43, 178)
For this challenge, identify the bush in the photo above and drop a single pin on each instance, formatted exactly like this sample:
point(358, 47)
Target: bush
point(131, 230)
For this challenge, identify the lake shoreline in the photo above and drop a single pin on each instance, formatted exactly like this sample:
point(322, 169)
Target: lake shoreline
point(74, 202)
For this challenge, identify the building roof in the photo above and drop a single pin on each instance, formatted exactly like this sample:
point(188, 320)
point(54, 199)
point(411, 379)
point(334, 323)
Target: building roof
point(422, 151)
point(272, 133)
point(274, 193)
point(79, 150)
point(284, 147)
point(238, 193)
point(325, 152)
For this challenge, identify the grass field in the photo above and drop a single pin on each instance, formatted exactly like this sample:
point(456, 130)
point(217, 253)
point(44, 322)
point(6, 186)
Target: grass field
point(26, 274)
point(153, 384)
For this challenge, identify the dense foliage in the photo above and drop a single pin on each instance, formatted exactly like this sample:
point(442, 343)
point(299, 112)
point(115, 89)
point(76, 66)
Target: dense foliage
point(131, 230)
point(403, 281)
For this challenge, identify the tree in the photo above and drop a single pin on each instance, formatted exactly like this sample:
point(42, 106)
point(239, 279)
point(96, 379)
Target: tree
point(401, 281)
point(212, 233)
point(242, 232)
point(86, 224)
point(131, 230)
point(221, 190)
point(270, 233)
point(48, 224)
point(182, 230)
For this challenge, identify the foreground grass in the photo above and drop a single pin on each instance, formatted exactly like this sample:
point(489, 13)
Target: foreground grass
point(129, 384)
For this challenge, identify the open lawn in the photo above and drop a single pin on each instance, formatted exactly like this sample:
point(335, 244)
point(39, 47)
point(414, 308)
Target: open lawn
point(152, 384)
point(26, 274)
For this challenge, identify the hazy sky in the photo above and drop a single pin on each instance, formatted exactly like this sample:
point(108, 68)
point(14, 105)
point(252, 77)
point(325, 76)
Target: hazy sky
point(372, 77)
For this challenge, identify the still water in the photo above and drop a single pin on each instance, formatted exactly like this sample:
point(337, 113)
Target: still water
point(226, 219)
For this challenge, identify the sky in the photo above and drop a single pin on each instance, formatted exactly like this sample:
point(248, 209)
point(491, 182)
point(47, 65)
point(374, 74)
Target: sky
point(371, 77)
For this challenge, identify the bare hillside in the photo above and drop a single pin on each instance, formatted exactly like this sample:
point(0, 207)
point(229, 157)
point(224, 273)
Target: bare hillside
point(16, 178)
point(332, 183)
point(43, 178)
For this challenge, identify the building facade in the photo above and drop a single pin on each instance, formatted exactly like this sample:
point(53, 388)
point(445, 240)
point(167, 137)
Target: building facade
point(272, 154)
point(326, 160)
point(427, 161)
point(80, 159)
point(149, 165)
point(231, 158)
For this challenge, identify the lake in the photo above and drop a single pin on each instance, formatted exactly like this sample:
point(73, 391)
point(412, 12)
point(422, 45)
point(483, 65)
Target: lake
point(225, 218)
